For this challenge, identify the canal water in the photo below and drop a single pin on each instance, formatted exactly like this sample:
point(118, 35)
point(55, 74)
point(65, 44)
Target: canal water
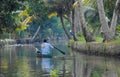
point(21, 61)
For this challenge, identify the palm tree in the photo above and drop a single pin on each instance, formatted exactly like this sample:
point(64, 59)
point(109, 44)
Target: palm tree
point(62, 7)
point(86, 32)
point(108, 31)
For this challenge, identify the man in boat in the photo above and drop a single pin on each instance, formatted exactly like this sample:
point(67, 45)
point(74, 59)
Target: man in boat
point(46, 48)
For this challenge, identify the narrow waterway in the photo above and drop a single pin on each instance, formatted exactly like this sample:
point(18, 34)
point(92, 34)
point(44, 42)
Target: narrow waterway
point(21, 61)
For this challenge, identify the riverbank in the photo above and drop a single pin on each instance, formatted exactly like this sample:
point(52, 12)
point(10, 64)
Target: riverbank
point(14, 41)
point(96, 48)
point(7, 42)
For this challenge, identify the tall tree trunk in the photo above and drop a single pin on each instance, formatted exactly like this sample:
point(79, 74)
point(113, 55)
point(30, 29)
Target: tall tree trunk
point(86, 32)
point(67, 34)
point(78, 28)
point(77, 21)
point(73, 24)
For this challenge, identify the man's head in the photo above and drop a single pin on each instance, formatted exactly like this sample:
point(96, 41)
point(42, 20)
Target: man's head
point(45, 40)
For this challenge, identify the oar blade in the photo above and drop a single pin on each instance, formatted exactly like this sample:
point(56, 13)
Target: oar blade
point(60, 50)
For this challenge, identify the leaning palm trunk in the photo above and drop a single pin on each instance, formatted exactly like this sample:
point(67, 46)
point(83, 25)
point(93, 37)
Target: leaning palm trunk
point(114, 19)
point(86, 32)
point(104, 24)
point(108, 32)
point(35, 33)
point(67, 34)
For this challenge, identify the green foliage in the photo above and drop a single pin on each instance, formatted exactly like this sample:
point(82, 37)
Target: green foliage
point(82, 39)
point(109, 6)
point(118, 72)
point(91, 13)
point(92, 19)
point(71, 41)
point(58, 30)
point(53, 73)
point(98, 39)
point(75, 5)
point(4, 64)
point(40, 9)
point(118, 31)
point(6, 17)
point(97, 72)
point(7, 6)
point(118, 28)
point(34, 14)
point(116, 41)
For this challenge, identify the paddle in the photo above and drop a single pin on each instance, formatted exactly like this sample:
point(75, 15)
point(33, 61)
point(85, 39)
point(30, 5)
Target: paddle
point(60, 50)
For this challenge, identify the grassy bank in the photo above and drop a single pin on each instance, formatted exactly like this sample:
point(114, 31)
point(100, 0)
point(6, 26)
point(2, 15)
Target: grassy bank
point(98, 48)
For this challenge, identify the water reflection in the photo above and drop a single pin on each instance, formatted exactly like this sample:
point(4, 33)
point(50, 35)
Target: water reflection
point(45, 63)
point(21, 61)
point(96, 66)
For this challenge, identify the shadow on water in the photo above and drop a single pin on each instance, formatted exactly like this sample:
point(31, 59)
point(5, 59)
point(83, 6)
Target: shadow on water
point(21, 61)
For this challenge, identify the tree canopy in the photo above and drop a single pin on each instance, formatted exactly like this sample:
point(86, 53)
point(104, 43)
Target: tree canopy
point(56, 18)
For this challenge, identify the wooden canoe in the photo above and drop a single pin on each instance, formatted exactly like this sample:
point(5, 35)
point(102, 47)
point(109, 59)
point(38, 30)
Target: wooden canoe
point(44, 56)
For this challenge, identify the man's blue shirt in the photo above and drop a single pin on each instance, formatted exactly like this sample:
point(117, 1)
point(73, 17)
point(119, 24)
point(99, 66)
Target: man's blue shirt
point(45, 48)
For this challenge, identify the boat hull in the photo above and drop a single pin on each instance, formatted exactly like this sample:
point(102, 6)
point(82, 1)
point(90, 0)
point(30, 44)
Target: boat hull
point(44, 56)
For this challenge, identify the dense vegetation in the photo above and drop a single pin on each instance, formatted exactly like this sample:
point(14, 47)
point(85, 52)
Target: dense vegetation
point(85, 19)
